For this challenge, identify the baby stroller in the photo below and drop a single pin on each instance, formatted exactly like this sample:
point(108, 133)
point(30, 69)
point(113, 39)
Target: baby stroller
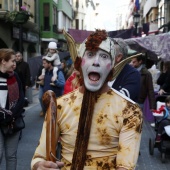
point(164, 145)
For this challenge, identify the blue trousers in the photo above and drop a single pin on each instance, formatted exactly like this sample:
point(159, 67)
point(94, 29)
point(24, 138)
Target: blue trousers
point(40, 99)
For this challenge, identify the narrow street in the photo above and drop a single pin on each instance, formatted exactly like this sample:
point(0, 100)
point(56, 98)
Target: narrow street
point(32, 133)
point(147, 161)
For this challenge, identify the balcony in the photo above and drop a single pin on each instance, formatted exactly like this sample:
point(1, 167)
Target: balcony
point(148, 6)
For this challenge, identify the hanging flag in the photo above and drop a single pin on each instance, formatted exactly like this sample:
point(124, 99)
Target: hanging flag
point(137, 5)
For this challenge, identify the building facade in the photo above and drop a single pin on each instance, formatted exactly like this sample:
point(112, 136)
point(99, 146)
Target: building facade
point(154, 16)
point(54, 16)
point(10, 34)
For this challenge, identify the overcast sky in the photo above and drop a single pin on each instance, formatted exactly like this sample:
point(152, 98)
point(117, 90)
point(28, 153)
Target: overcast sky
point(108, 11)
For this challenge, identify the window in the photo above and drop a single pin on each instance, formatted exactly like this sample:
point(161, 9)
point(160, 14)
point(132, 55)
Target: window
point(77, 24)
point(54, 15)
point(11, 5)
point(54, 19)
point(77, 3)
point(6, 5)
point(82, 22)
point(46, 12)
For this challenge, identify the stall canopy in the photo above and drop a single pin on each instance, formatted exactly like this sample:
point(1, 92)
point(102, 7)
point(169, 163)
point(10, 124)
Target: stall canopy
point(128, 33)
point(79, 35)
point(64, 55)
point(156, 46)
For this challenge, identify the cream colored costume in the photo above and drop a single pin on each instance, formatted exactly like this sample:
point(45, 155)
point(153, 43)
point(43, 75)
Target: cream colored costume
point(115, 133)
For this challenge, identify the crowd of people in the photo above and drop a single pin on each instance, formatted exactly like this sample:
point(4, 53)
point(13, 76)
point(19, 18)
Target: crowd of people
point(99, 115)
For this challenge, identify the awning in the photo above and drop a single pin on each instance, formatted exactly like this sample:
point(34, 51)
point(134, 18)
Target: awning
point(156, 46)
point(64, 55)
point(49, 39)
point(79, 35)
point(125, 34)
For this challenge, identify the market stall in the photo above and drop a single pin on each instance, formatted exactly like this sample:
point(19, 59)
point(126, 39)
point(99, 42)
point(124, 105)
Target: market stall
point(157, 48)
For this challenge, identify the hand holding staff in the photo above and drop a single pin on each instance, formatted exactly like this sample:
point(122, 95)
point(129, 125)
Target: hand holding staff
point(49, 101)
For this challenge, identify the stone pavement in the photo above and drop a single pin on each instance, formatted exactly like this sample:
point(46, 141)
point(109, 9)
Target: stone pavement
point(32, 133)
point(145, 160)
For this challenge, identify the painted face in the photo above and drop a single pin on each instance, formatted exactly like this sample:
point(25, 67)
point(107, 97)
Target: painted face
point(10, 64)
point(95, 67)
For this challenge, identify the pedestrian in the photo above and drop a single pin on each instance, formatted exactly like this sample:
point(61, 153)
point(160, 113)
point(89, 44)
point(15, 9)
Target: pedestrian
point(52, 55)
point(64, 68)
point(125, 81)
point(146, 84)
point(99, 128)
point(58, 89)
point(11, 107)
point(164, 79)
point(23, 71)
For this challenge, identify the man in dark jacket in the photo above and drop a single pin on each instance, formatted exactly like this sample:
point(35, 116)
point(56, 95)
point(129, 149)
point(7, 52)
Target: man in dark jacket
point(128, 80)
point(23, 70)
point(146, 88)
point(58, 88)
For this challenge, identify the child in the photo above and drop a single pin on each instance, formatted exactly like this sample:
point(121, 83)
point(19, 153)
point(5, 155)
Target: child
point(51, 56)
point(165, 121)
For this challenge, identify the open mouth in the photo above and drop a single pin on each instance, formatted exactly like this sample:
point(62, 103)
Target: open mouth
point(93, 76)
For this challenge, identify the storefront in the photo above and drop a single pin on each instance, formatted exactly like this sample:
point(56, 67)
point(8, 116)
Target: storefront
point(10, 36)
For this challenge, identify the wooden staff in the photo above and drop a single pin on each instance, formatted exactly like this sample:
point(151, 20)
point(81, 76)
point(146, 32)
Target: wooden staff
point(71, 45)
point(49, 101)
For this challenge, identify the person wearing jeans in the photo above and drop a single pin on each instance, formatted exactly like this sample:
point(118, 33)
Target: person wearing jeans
point(11, 145)
point(11, 106)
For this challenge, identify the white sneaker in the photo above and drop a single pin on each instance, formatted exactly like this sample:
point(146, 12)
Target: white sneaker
point(153, 124)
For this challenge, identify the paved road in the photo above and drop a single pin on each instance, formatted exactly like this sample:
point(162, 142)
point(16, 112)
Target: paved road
point(32, 132)
point(146, 161)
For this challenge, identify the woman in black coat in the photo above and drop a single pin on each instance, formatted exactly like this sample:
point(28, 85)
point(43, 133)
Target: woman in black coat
point(11, 107)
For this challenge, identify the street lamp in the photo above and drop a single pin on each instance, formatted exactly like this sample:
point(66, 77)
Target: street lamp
point(136, 20)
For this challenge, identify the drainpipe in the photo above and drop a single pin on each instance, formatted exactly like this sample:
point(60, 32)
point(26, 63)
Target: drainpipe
point(20, 31)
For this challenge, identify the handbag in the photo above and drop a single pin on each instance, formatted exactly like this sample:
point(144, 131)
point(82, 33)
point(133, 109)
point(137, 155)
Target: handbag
point(15, 126)
point(18, 124)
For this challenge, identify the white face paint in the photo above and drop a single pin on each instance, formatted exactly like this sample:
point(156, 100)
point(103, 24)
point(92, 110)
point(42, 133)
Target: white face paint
point(96, 67)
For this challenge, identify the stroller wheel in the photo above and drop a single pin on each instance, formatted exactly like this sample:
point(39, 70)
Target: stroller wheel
point(151, 146)
point(163, 157)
